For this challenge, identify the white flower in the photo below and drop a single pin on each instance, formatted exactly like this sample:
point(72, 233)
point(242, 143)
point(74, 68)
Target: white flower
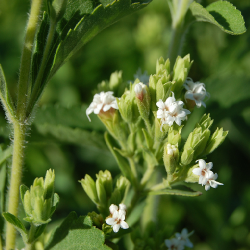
point(174, 244)
point(143, 77)
point(171, 149)
point(117, 217)
point(207, 177)
point(195, 92)
point(102, 102)
point(203, 170)
point(122, 207)
point(171, 111)
point(209, 181)
point(183, 236)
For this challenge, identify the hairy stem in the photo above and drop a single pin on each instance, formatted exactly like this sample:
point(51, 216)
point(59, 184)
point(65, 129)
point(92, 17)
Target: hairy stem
point(15, 180)
point(25, 67)
point(36, 91)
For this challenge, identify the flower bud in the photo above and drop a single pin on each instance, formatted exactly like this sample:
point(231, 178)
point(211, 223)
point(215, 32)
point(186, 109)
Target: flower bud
point(174, 135)
point(162, 66)
point(187, 156)
point(215, 141)
point(122, 184)
point(106, 181)
point(170, 158)
point(143, 99)
point(39, 201)
point(205, 122)
point(180, 73)
point(115, 80)
point(89, 187)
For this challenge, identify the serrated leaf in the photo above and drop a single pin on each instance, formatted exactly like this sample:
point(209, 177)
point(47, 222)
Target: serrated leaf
point(187, 192)
point(76, 234)
point(5, 97)
point(17, 224)
point(222, 14)
point(73, 135)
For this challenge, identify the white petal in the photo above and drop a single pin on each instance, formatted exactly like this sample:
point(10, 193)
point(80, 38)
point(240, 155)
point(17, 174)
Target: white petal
point(116, 228)
point(113, 208)
point(124, 225)
point(122, 206)
point(197, 171)
point(202, 163)
point(110, 221)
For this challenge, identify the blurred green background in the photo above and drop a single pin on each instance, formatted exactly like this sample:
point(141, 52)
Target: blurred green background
point(61, 137)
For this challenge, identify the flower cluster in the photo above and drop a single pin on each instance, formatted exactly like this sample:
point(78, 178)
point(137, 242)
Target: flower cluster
point(196, 92)
point(117, 217)
point(207, 177)
point(171, 111)
point(102, 102)
point(180, 241)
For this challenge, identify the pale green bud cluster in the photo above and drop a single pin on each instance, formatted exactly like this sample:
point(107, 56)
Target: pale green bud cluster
point(199, 143)
point(104, 191)
point(40, 201)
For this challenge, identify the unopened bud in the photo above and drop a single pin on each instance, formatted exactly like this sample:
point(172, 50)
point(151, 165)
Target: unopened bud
point(170, 158)
point(89, 187)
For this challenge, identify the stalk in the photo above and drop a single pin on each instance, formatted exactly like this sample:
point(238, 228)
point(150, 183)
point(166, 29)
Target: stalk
point(15, 180)
point(25, 67)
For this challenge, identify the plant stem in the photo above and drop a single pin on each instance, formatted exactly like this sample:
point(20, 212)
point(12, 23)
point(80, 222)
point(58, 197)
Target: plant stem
point(15, 180)
point(25, 67)
point(36, 91)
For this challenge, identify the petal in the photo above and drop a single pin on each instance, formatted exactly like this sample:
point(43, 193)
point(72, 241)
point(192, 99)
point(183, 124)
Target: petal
point(106, 107)
point(197, 171)
point(124, 225)
point(160, 104)
point(207, 187)
point(113, 208)
point(122, 206)
point(209, 165)
point(202, 163)
point(110, 221)
point(116, 228)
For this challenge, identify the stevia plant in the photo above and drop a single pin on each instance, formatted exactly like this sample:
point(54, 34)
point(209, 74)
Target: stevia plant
point(144, 128)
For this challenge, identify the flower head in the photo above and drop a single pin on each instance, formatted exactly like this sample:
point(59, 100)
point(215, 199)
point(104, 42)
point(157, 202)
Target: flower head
point(196, 92)
point(180, 241)
point(207, 177)
point(102, 102)
point(117, 217)
point(203, 170)
point(171, 111)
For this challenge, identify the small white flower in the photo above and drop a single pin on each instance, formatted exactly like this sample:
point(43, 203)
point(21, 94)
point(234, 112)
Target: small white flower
point(171, 111)
point(196, 92)
point(209, 181)
point(207, 177)
point(203, 170)
point(102, 102)
point(143, 77)
point(174, 244)
point(117, 217)
point(184, 236)
point(171, 149)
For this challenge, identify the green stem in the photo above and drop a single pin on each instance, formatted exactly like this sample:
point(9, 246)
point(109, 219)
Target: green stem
point(176, 43)
point(134, 173)
point(15, 180)
point(147, 175)
point(25, 67)
point(36, 91)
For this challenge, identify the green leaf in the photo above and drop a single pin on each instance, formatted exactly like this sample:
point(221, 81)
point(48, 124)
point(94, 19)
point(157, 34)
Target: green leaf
point(222, 14)
point(185, 192)
point(5, 97)
point(17, 224)
point(23, 190)
point(121, 161)
point(76, 234)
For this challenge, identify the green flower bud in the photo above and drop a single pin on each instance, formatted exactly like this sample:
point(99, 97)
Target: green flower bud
point(187, 156)
point(174, 135)
point(115, 80)
point(215, 141)
point(180, 73)
point(38, 201)
point(101, 192)
point(162, 66)
point(170, 158)
point(106, 180)
point(122, 184)
point(49, 184)
point(56, 9)
point(143, 99)
point(205, 122)
point(97, 219)
point(89, 187)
